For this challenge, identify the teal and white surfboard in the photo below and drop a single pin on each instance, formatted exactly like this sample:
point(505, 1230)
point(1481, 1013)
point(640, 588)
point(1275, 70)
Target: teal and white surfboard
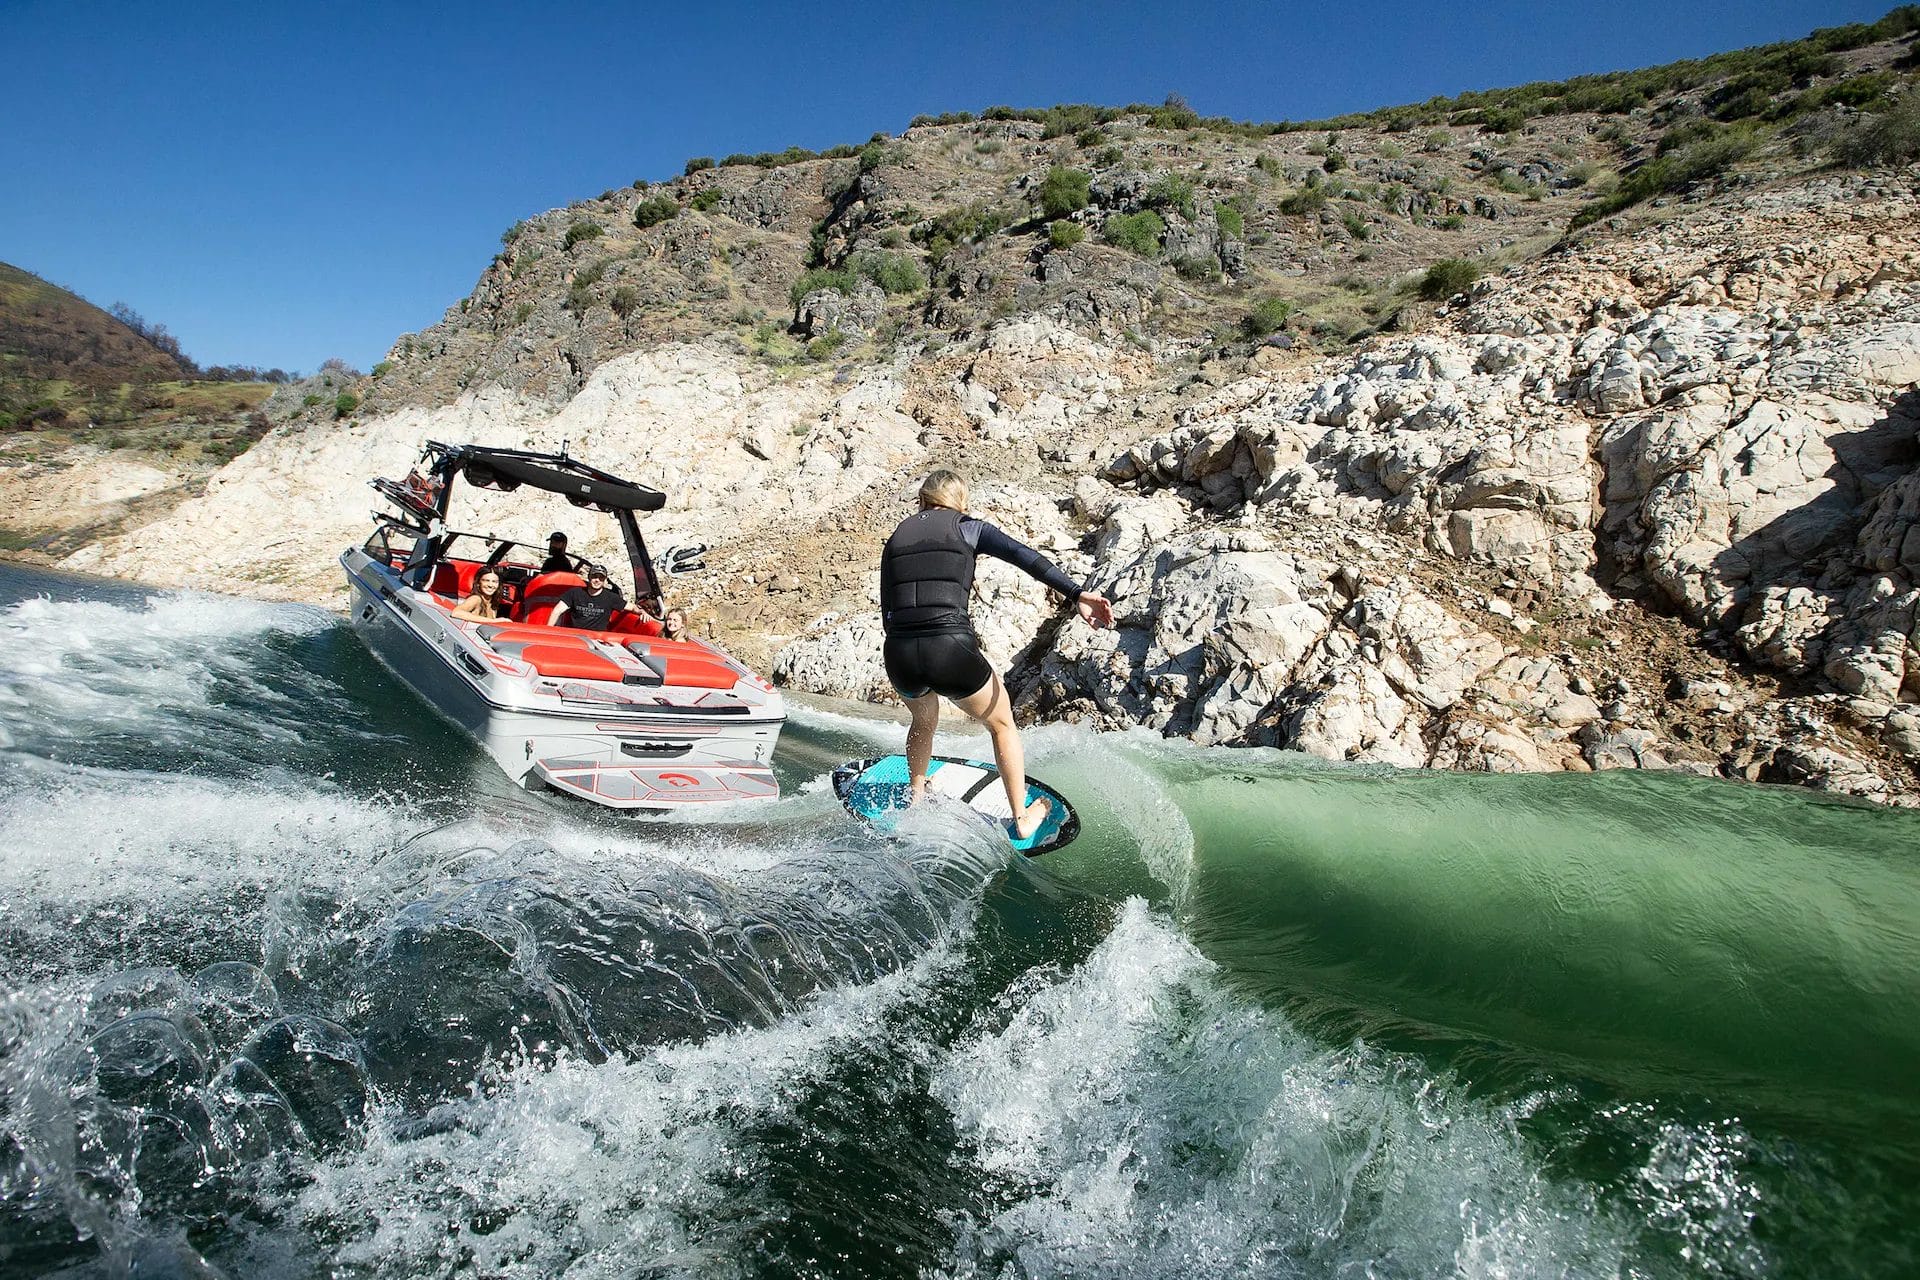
point(875, 791)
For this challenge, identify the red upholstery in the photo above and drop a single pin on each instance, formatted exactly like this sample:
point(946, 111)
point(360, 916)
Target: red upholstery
point(628, 623)
point(570, 662)
point(543, 592)
point(693, 673)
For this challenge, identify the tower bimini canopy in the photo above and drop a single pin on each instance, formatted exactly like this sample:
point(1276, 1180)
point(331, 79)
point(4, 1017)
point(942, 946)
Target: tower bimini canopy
point(580, 484)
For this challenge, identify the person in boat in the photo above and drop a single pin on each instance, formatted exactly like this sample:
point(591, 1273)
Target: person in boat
point(484, 601)
point(590, 607)
point(557, 561)
point(931, 651)
point(674, 625)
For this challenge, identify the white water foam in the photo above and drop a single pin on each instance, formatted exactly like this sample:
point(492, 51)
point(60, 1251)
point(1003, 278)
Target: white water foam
point(635, 1166)
point(1139, 1120)
point(181, 672)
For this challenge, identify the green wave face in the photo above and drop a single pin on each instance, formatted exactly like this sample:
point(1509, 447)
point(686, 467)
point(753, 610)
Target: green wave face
point(1661, 931)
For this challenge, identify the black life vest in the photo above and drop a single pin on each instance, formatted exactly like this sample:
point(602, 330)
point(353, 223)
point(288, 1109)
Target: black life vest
point(926, 575)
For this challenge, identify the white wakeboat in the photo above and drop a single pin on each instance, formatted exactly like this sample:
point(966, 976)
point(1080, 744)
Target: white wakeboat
point(623, 717)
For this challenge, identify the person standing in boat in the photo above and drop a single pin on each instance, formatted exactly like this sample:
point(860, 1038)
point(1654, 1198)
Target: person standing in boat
point(590, 607)
point(557, 561)
point(926, 578)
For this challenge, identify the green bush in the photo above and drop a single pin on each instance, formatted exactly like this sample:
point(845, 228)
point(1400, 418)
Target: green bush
point(382, 369)
point(512, 233)
point(1448, 277)
point(698, 163)
point(1136, 232)
point(1502, 120)
point(893, 272)
point(965, 225)
point(1269, 315)
point(880, 152)
point(1452, 222)
point(705, 201)
point(1231, 222)
point(1064, 191)
point(345, 403)
point(1334, 162)
point(591, 274)
point(1087, 139)
point(1268, 164)
point(521, 312)
point(1171, 191)
point(1695, 162)
point(1356, 225)
point(655, 210)
point(1200, 267)
point(1438, 140)
point(625, 300)
point(1064, 235)
point(1890, 138)
point(1392, 151)
point(826, 344)
point(307, 402)
point(1310, 199)
point(820, 278)
point(580, 231)
point(1109, 157)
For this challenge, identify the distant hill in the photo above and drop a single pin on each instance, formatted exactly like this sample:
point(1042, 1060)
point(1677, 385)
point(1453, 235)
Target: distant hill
point(48, 334)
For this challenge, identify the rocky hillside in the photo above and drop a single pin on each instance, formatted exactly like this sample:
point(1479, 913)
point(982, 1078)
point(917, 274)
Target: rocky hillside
point(1642, 496)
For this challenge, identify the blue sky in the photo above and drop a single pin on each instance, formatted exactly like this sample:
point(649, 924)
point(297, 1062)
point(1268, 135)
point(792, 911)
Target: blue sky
point(278, 183)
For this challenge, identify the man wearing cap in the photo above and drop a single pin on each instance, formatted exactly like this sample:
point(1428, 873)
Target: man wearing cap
point(557, 561)
point(590, 607)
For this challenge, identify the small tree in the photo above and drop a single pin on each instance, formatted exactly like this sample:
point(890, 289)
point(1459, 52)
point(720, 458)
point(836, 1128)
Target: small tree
point(698, 163)
point(655, 210)
point(1064, 235)
point(1269, 315)
point(345, 403)
point(1135, 232)
point(1448, 277)
point(1064, 191)
point(581, 231)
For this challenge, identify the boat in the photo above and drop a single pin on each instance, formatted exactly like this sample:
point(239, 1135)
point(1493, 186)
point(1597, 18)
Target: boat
point(623, 717)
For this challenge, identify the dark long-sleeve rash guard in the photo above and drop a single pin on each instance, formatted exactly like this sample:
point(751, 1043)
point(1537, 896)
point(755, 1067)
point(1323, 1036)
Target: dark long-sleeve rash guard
point(988, 540)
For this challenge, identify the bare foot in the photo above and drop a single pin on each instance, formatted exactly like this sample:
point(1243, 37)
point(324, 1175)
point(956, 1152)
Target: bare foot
point(916, 792)
point(1030, 821)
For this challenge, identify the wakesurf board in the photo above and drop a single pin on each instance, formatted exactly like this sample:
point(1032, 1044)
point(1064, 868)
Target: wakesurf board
point(875, 791)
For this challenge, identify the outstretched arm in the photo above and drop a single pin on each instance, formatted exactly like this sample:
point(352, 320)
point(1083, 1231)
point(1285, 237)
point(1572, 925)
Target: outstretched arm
point(992, 541)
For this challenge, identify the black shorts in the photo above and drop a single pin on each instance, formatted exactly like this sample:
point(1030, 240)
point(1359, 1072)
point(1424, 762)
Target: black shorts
point(949, 663)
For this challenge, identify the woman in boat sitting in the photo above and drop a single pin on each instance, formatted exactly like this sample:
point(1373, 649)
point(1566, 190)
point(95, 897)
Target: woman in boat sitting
point(674, 625)
point(485, 601)
point(926, 576)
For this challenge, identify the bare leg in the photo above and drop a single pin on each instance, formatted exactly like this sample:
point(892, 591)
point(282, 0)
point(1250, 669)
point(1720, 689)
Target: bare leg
point(990, 706)
point(926, 718)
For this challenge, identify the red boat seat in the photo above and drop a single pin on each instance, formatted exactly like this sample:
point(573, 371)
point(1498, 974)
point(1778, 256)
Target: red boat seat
point(542, 592)
point(570, 662)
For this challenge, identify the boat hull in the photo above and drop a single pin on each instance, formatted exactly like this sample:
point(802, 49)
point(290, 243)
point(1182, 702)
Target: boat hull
point(656, 749)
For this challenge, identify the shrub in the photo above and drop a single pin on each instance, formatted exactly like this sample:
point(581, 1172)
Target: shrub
point(512, 233)
point(654, 211)
point(1171, 191)
point(1230, 221)
point(964, 225)
point(1685, 133)
point(1890, 138)
point(382, 369)
point(1202, 267)
point(1269, 165)
point(1452, 222)
point(521, 312)
point(989, 146)
point(1089, 138)
point(1687, 165)
point(880, 152)
point(698, 163)
point(1448, 277)
point(1355, 224)
point(820, 278)
point(704, 201)
point(1310, 199)
point(1334, 162)
point(591, 274)
point(581, 231)
point(1109, 157)
point(1064, 235)
point(1064, 191)
point(1269, 315)
point(307, 402)
point(1437, 140)
point(1502, 120)
point(893, 272)
point(1136, 232)
point(1391, 151)
point(345, 403)
point(826, 344)
point(625, 301)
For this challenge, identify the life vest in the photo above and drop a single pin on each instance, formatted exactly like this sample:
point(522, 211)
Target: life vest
point(926, 575)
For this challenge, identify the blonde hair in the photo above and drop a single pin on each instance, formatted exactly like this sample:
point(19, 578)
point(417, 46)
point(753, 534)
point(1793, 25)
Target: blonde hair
point(944, 488)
